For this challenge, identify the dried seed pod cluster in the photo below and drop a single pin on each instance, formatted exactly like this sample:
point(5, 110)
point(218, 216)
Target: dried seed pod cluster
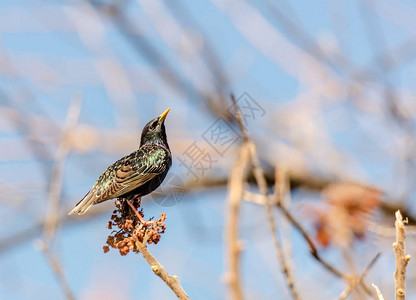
point(127, 229)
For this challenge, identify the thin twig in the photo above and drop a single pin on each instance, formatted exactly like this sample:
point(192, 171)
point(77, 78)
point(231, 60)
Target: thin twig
point(52, 217)
point(379, 294)
point(354, 282)
point(58, 170)
point(237, 179)
point(58, 271)
point(280, 183)
point(281, 194)
point(239, 118)
point(312, 246)
point(402, 259)
point(262, 184)
point(159, 270)
point(259, 200)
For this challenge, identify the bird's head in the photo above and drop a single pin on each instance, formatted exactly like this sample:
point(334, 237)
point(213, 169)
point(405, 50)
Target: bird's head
point(154, 132)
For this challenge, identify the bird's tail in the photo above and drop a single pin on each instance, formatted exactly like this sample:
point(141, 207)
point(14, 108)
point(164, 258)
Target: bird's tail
point(83, 205)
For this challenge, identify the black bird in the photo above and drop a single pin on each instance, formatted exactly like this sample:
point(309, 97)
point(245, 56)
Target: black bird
point(134, 175)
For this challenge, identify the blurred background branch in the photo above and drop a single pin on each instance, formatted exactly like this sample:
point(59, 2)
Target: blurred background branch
point(325, 89)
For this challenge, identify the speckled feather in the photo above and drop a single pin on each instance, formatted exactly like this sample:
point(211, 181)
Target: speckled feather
point(136, 174)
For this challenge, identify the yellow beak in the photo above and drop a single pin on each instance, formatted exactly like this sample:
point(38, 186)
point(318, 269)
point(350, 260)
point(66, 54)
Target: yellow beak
point(163, 116)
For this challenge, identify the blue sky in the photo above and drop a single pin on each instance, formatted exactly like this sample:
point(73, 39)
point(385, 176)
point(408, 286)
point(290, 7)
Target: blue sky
point(51, 51)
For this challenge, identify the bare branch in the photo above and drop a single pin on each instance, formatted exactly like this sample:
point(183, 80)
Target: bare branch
point(379, 295)
point(57, 270)
point(237, 179)
point(52, 217)
point(239, 118)
point(354, 282)
point(159, 270)
point(256, 199)
point(402, 259)
point(262, 184)
point(58, 170)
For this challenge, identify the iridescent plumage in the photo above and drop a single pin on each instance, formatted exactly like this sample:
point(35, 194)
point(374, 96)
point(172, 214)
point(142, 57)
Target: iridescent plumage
point(136, 174)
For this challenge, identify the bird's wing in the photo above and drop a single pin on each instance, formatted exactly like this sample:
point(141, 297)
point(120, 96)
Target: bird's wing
point(128, 177)
point(123, 176)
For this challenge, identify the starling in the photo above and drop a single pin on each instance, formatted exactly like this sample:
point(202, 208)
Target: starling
point(134, 175)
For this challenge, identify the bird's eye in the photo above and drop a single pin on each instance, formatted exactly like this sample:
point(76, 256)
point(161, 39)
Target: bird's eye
point(153, 125)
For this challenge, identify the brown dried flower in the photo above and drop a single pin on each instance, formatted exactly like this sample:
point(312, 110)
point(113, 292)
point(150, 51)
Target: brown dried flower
point(130, 228)
point(347, 209)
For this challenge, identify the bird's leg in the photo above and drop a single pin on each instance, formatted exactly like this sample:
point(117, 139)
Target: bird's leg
point(136, 204)
point(137, 213)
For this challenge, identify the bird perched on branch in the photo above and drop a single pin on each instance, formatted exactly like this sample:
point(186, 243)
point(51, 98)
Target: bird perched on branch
point(134, 175)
